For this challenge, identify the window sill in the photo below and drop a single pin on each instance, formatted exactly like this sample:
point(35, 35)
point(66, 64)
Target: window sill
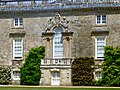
point(99, 59)
point(16, 79)
point(101, 25)
point(19, 27)
point(17, 59)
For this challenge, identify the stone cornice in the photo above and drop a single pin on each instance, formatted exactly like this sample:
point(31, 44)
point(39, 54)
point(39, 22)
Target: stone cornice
point(17, 34)
point(67, 33)
point(44, 34)
point(61, 9)
point(100, 32)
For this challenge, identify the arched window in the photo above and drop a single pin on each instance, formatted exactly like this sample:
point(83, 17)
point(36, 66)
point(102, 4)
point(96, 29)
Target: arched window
point(58, 43)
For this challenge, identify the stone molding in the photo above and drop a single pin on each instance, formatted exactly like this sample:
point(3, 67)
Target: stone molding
point(20, 10)
point(17, 34)
point(58, 67)
point(99, 33)
point(67, 33)
point(45, 34)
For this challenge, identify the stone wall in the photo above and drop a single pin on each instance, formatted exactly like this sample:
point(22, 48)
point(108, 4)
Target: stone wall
point(82, 24)
point(45, 77)
point(65, 76)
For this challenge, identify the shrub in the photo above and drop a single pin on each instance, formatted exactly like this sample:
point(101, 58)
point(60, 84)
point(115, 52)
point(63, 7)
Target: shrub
point(111, 67)
point(82, 71)
point(5, 75)
point(30, 71)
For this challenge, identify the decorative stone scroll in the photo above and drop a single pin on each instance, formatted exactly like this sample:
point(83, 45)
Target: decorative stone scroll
point(57, 21)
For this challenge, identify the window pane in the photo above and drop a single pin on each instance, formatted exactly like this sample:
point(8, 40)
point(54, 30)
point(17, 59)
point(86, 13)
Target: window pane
point(16, 21)
point(20, 22)
point(98, 19)
point(16, 74)
point(103, 19)
point(98, 75)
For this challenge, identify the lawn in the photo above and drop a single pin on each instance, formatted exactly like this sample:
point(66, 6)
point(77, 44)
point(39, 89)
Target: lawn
point(54, 88)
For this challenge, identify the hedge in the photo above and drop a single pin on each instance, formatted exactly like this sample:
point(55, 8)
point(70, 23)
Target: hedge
point(82, 71)
point(111, 67)
point(5, 75)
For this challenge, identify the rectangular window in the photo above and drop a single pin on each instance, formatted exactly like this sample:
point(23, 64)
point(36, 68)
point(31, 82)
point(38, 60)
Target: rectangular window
point(58, 48)
point(17, 48)
point(100, 44)
point(101, 19)
point(16, 75)
point(58, 43)
point(98, 75)
point(18, 22)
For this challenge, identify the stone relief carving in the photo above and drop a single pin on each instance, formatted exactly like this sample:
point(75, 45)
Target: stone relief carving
point(57, 21)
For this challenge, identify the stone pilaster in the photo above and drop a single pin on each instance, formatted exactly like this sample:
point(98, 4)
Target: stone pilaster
point(48, 40)
point(67, 38)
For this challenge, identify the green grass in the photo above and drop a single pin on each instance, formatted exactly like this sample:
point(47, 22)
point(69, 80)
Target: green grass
point(54, 88)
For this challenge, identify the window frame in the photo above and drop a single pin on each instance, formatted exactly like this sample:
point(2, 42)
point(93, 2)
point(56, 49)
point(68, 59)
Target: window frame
point(98, 75)
point(96, 44)
point(101, 21)
point(18, 22)
point(13, 75)
point(14, 56)
point(57, 42)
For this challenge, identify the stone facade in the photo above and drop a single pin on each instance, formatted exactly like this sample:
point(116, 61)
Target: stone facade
point(79, 32)
point(65, 76)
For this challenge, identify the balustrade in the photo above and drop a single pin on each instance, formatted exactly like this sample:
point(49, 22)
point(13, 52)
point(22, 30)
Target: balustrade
point(61, 61)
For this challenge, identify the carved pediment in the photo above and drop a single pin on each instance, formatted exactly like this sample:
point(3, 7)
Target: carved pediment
point(57, 21)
